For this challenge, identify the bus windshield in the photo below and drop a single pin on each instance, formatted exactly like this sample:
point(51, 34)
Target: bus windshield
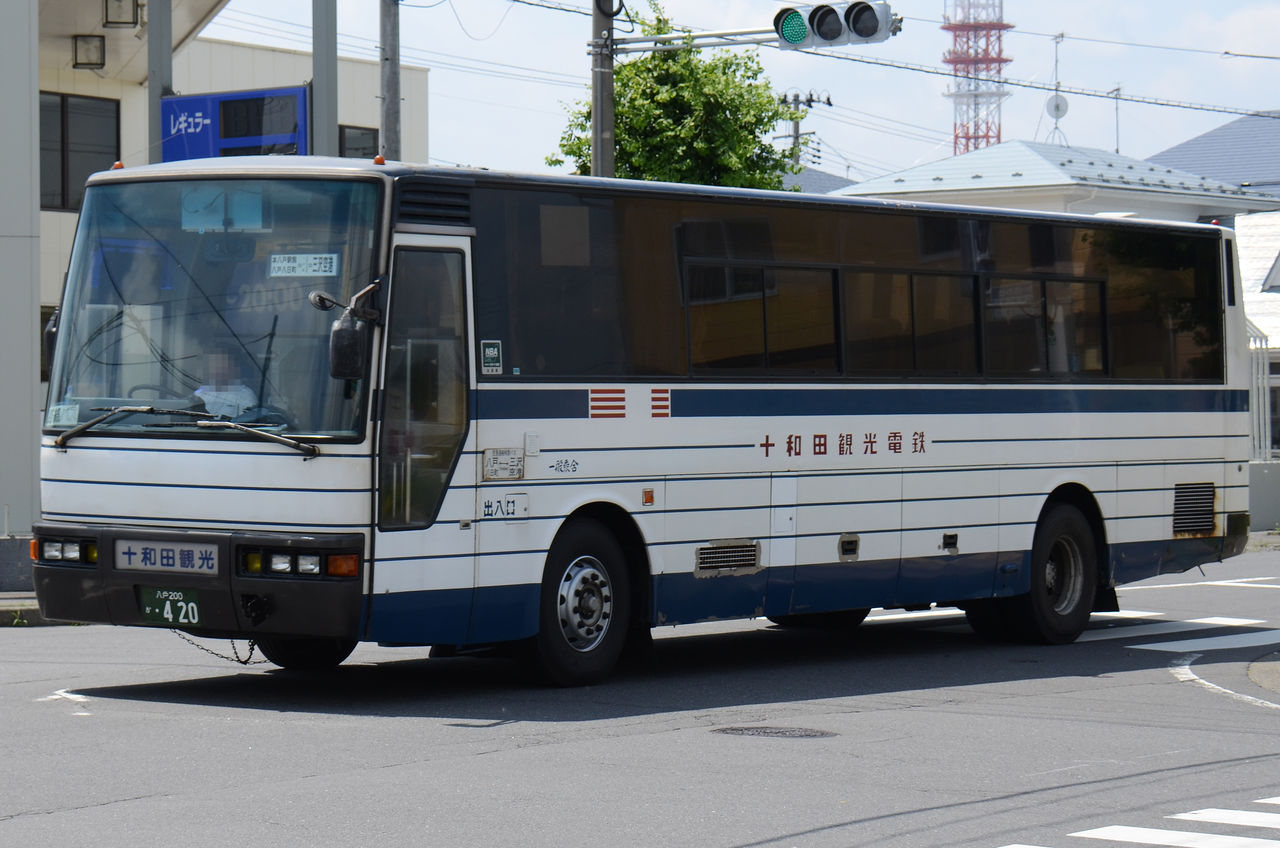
point(193, 296)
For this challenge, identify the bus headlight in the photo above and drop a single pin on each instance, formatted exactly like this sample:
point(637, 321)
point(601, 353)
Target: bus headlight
point(308, 563)
point(69, 550)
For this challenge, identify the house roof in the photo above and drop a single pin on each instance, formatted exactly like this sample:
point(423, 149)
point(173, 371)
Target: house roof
point(813, 181)
point(1026, 164)
point(1244, 152)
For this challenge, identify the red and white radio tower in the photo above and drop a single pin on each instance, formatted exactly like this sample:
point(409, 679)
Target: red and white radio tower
point(977, 60)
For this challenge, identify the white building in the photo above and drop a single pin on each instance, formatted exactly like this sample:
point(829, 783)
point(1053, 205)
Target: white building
point(76, 100)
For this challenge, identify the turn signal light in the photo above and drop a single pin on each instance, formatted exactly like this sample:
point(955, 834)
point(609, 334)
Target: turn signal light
point(344, 565)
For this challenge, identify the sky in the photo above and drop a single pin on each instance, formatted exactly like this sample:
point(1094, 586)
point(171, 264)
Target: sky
point(503, 74)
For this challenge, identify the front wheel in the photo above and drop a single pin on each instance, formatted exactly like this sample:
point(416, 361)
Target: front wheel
point(1064, 577)
point(585, 605)
point(305, 654)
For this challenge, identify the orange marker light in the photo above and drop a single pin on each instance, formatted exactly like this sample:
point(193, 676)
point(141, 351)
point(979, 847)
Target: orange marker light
point(344, 565)
point(35, 550)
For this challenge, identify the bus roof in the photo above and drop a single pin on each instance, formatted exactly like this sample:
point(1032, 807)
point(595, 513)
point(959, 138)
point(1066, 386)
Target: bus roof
point(348, 168)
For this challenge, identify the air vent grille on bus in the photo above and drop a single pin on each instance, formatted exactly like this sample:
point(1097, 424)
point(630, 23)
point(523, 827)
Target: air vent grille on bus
point(434, 205)
point(729, 554)
point(1193, 508)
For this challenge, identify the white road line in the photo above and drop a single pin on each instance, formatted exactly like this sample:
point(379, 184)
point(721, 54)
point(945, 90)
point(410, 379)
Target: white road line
point(1239, 583)
point(1175, 838)
point(1244, 818)
point(1155, 628)
point(1181, 670)
point(1267, 801)
point(1123, 614)
point(66, 695)
point(1214, 643)
point(1223, 621)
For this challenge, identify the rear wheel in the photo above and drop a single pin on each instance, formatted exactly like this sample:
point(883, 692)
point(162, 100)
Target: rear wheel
point(585, 607)
point(1064, 577)
point(305, 654)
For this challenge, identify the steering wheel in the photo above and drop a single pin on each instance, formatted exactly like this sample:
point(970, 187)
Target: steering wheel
point(162, 391)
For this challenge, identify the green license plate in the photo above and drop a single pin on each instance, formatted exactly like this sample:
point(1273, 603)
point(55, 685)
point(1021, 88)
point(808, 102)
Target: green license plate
point(174, 607)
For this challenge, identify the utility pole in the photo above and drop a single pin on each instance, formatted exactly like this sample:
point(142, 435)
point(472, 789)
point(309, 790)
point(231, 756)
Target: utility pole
point(390, 50)
point(324, 78)
point(1116, 91)
point(796, 102)
point(603, 146)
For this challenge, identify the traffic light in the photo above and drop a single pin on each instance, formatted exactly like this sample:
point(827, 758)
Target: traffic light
point(833, 24)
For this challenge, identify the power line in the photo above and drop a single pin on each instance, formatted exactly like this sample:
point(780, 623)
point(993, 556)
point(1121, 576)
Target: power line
point(1139, 44)
point(1039, 86)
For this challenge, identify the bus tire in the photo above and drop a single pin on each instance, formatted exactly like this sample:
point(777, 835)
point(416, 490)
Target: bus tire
point(1064, 576)
point(585, 606)
point(839, 620)
point(305, 654)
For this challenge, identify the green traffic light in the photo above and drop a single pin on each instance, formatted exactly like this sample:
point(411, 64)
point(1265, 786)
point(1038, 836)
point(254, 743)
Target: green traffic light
point(790, 26)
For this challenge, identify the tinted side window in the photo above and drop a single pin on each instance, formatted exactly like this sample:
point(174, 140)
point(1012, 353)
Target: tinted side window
point(1013, 327)
point(945, 334)
point(1164, 299)
point(877, 322)
point(576, 285)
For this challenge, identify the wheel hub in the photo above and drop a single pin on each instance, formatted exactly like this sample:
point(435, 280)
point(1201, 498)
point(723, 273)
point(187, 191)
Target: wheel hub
point(1064, 575)
point(584, 604)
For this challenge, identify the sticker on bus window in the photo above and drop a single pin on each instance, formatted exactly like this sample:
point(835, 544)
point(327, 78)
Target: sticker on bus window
point(304, 265)
point(490, 357)
point(64, 415)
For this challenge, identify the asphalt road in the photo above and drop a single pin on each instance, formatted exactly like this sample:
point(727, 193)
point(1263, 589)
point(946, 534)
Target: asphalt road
point(1160, 722)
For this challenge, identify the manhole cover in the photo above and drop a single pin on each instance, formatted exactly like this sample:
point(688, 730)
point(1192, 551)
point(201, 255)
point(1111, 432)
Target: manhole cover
point(776, 732)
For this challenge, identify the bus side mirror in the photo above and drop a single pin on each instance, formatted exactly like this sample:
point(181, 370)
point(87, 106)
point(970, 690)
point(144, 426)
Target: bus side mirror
point(348, 346)
point(349, 335)
point(49, 338)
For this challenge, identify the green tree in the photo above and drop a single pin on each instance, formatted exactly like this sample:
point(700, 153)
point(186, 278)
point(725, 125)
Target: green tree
point(680, 117)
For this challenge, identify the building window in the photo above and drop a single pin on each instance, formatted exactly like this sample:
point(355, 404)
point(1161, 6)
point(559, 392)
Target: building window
point(357, 142)
point(78, 136)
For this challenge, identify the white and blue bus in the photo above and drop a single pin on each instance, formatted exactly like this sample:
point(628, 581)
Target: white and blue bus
point(312, 402)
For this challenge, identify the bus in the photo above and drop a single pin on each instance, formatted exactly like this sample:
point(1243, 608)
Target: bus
point(311, 402)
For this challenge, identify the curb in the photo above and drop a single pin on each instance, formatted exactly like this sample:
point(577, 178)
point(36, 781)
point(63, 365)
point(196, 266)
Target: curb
point(21, 610)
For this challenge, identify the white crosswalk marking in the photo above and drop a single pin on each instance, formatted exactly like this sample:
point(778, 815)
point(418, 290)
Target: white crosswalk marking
point(1214, 643)
point(1244, 818)
point(1174, 838)
point(1188, 839)
point(1137, 631)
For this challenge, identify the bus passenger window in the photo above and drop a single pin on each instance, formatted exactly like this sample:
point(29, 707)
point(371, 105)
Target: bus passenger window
point(877, 322)
point(945, 335)
point(1013, 328)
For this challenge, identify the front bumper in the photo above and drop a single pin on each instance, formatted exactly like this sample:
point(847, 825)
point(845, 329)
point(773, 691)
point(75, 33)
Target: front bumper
point(232, 602)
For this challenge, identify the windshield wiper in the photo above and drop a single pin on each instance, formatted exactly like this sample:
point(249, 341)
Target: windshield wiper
point(112, 411)
point(302, 447)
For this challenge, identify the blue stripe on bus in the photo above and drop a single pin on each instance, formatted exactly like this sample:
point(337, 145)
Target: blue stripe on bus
point(536, 403)
point(858, 400)
point(705, 403)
